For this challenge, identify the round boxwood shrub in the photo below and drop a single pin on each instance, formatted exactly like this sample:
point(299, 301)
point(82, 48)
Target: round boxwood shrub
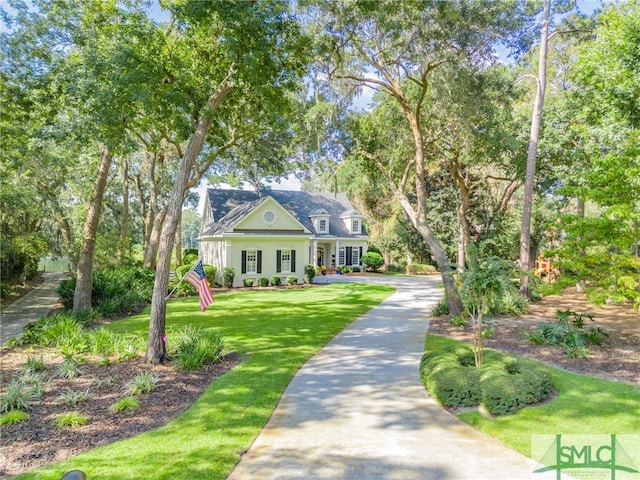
point(503, 385)
point(263, 282)
point(292, 280)
point(455, 386)
point(276, 280)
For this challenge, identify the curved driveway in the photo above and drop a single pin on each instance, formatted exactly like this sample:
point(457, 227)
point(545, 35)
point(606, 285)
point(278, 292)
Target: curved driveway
point(358, 409)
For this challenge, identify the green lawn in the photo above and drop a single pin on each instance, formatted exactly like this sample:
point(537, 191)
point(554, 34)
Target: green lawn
point(275, 331)
point(585, 405)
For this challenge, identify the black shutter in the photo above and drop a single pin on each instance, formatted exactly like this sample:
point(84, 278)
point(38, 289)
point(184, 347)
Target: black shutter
point(259, 254)
point(360, 257)
point(293, 261)
point(348, 259)
point(278, 261)
point(244, 261)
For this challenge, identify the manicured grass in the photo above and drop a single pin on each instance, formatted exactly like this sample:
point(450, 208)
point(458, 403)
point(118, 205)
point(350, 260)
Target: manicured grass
point(585, 405)
point(276, 332)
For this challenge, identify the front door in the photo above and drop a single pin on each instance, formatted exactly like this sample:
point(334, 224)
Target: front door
point(320, 257)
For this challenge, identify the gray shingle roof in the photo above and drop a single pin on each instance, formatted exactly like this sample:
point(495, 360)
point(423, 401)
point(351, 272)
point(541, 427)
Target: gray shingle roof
point(229, 206)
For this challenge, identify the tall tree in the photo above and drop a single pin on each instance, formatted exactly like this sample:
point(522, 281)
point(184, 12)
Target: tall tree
point(532, 153)
point(259, 58)
point(395, 48)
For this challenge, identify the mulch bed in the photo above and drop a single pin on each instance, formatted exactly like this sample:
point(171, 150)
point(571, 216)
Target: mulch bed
point(36, 442)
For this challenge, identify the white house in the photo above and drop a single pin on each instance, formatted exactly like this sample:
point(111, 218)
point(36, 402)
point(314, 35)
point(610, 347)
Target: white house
point(278, 232)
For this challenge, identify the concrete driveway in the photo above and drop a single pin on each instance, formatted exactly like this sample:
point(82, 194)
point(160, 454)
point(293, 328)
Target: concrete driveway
point(358, 409)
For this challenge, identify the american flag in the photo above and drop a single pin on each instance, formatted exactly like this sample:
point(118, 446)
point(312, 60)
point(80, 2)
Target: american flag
point(198, 279)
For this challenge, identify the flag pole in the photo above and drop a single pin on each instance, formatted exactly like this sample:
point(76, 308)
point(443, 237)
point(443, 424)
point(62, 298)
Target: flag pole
point(180, 281)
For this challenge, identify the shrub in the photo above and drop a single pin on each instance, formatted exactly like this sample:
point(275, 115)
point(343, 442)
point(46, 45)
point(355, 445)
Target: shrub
point(34, 364)
point(125, 405)
point(309, 273)
point(248, 282)
point(503, 385)
point(68, 369)
point(355, 269)
point(227, 277)
point(73, 397)
point(196, 347)
point(263, 282)
point(441, 309)
point(142, 383)
point(455, 386)
point(420, 269)
point(70, 420)
point(14, 416)
point(372, 260)
point(276, 280)
point(292, 280)
point(568, 332)
point(102, 341)
point(190, 256)
point(458, 321)
point(16, 397)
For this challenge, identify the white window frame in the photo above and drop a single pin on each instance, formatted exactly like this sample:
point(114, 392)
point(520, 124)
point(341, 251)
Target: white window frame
point(285, 261)
point(323, 225)
point(355, 255)
point(342, 252)
point(252, 262)
point(355, 225)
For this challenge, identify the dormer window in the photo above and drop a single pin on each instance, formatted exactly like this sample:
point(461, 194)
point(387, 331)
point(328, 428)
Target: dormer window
point(352, 221)
point(320, 219)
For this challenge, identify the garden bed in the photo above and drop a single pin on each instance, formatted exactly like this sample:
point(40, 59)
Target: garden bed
point(35, 442)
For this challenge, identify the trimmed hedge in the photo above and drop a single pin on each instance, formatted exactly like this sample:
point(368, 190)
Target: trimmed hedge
point(420, 269)
point(503, 385)
point(263, 282)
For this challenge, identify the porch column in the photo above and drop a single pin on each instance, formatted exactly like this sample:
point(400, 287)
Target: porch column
point(315, 253)
point(337, 253)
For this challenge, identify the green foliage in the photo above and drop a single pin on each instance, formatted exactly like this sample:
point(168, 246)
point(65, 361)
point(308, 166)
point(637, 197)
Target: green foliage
point(196, 347)
point(115, 291)
point(189, 257)
point(458, 321)
point(420, 269)
point(309, 273)
point(13, 416)
point(247, 282)
point(276, 280)
point(68, 369)
point(16, 397)
point(142, 383)
point(69, 420)
point(72, 397)
point(227, 277)
point(372, 260)
point(503, 385)
point(35, 364)
point(355, 269)
point(106, 382)
point(568, 332)
point(263, 282)
point(292, 280)
point(441, 308)
point(125, 405)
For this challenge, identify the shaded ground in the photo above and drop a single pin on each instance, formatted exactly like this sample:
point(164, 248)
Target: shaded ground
point(617, 359)
point(36, 442)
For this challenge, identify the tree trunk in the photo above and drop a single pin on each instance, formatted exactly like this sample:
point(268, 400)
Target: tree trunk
point(151, 252)
point(463, 209)
point(179, 242)
point(156, 349)
point(419, 216)
point(82, 295)
point(580, 285)
point(532, 154)
point(124, 228)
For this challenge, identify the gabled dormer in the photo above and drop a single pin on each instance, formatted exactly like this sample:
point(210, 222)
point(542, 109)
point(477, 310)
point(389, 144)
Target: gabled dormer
point(353, 221)
point(320, 219)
